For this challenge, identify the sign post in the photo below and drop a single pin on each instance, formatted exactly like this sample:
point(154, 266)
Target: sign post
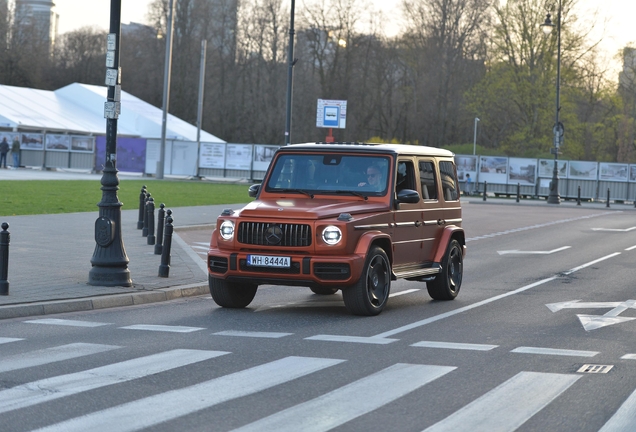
point(331, 114)
point(110, 262)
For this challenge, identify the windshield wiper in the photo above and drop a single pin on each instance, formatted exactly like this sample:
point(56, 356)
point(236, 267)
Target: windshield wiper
point(350, 192)
point(310, 195)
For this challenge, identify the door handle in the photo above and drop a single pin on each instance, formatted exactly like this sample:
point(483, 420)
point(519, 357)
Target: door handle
point(441, 222)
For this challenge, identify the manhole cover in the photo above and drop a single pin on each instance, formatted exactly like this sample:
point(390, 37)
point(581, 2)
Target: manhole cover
point(592, 368)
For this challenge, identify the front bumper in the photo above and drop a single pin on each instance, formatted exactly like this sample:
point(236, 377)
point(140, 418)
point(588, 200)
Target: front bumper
point(305, 270)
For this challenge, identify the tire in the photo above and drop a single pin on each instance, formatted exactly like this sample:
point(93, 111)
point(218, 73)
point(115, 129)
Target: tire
point(231, 295)
point(447, 283)
point(370, 294)
point(320, 290)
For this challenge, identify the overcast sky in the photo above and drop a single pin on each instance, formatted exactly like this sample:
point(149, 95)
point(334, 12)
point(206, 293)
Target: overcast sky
point(616, 23)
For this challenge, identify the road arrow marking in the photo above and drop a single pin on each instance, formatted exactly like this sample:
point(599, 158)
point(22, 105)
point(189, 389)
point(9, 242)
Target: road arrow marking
point(509, 252)
point(614, 229)
point(592, 322)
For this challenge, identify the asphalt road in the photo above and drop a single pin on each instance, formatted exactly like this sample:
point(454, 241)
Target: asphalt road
point(546, 291)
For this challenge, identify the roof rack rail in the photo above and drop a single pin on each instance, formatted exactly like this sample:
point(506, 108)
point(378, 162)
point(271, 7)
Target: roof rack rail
point(343, 143)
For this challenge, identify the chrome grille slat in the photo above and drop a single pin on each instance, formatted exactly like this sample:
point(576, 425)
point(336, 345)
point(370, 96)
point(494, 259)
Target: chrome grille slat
point(293, 235)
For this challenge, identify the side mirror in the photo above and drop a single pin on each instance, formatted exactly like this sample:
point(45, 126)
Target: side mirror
point(253, 190)
point(408, 196)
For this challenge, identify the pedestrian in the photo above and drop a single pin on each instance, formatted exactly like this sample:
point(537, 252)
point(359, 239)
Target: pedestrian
point(468, 185)
point(15, 151)
point(4, 149)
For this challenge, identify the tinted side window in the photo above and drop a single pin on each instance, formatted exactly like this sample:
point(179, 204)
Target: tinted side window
point(428, 180)
point(405, 176)
point(449, 180)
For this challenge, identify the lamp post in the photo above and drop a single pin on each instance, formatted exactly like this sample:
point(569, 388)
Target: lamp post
point(290, 75)
point(558, 130)
point(475, 137)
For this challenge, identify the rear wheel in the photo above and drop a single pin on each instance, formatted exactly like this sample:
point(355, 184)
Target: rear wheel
point(370, 294)
point(321, 290)
point(446, 284)
point(231, 295)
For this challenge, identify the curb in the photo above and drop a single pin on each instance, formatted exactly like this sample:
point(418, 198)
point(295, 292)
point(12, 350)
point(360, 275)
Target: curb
point(102, 302)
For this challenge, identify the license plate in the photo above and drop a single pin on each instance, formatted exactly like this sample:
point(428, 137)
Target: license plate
point(268, 261)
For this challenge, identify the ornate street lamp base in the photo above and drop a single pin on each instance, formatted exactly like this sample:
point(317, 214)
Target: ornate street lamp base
point(553, 197)
point(109, 276)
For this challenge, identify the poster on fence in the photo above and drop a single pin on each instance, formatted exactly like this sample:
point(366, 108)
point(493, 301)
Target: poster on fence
point(493, 169)
point(212, 155)
point(263, 156)
point(466, 165)
point(58, 142)
point(32, 141)
point(239, 157)
point(546, 168)
point(522, 171)
point(632, 173)
point(613, 172)
point(83, 144)
point(583, 170)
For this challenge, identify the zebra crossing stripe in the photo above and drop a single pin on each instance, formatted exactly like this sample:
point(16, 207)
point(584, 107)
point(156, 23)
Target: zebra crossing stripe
point(63, 322)
point(163, 328)
point(65, 385)
point(527, 392)
point(624, 420)
point(150, 411)
point(351, 401)
point(51, 355)
point(4, 340)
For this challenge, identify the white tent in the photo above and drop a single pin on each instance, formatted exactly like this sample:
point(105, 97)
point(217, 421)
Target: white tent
point(79, 109)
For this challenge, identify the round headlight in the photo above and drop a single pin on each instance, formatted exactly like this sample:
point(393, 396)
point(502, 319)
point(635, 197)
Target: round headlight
point(227, 230)
point(331, 235)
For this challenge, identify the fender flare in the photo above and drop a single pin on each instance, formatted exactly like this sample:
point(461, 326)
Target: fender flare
point(450, 232)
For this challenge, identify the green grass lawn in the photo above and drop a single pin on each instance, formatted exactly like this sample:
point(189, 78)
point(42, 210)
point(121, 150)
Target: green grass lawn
point(68, 196)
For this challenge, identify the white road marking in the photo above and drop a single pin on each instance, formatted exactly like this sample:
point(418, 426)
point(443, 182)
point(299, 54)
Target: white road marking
point(592, 322)
point(519, 252)
point(448, 314)
point(623, 420)
point(252, 334)
point(351, 401)
point(153, 410)
point(527, 392)
point(355, 339)
point(630, 248)
point(205, 248)
point(629, 357)
point(453, 345)
point(435, 318)
point(63, 322)
point(575, 269)
point(538, 226)
point(4, 340)
point(163, 328)
point(554, 351)
point(408, 291)
point(51, 355)
point(65, 385)
point(614, 229)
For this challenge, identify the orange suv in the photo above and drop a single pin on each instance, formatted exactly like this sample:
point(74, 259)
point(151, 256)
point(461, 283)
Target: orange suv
point(350, 217)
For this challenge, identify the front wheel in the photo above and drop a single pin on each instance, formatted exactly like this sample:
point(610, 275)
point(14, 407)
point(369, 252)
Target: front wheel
point(231, 295)
point(370, 294)
point(446, 284)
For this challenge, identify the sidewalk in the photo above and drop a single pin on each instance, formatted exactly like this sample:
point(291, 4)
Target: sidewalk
point(49, 258)
point(49, 255)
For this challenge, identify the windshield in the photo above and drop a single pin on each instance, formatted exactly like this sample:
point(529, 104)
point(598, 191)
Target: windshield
point(329, 173)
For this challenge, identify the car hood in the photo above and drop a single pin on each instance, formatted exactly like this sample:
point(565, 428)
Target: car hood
point(308, 208)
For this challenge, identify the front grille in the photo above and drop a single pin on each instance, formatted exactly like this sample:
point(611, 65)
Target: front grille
point(217, 264)
point(260, 233)
point(293, 269)
point(332, 271)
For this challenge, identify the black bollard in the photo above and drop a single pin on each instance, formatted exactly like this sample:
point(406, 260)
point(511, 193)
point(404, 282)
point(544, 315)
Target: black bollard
point(518, 192)
point(151, 221)
point(144, 231)
point(485, 187)
point(4, 259)
point(578, 198)
point(142, 207)
point(164, 268)
point(160, 223)
point(608, 197)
